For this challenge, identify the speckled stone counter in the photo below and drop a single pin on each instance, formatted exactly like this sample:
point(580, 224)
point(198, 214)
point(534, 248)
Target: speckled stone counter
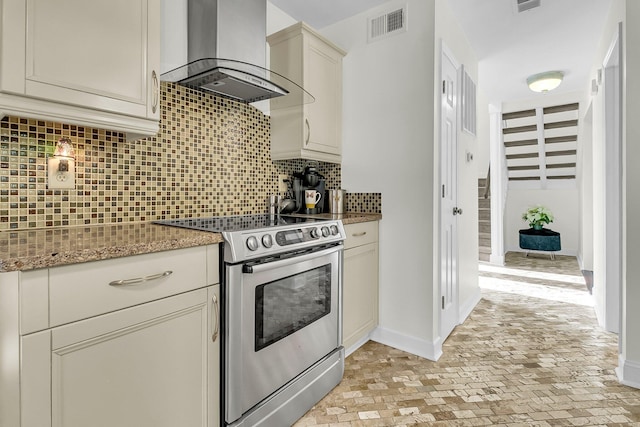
point(43, 248)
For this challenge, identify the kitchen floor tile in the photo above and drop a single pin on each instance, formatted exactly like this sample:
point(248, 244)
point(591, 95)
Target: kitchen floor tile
point(530, 354)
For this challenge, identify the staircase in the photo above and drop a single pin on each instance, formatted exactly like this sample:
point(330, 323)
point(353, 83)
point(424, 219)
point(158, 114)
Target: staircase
point(484, 221)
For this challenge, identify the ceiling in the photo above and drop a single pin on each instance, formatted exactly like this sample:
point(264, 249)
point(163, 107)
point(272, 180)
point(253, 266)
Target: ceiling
point(559, 35)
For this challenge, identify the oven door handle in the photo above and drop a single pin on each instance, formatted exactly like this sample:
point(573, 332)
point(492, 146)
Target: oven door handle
point(287, 259)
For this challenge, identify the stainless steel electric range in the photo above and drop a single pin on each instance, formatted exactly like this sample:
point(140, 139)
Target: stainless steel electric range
point(282, 314)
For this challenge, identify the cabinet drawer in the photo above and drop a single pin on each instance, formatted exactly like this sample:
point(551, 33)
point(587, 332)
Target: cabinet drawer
point(361, 234)
point(84, 290)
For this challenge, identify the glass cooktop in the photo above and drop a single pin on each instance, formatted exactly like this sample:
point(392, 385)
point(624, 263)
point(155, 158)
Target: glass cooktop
point(237, 223)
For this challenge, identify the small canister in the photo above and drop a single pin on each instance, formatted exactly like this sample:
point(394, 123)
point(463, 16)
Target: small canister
point(336, 201)
point(273, 205)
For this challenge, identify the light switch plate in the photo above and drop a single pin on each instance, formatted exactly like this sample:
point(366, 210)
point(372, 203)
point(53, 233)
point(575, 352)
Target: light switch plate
point(57, 180)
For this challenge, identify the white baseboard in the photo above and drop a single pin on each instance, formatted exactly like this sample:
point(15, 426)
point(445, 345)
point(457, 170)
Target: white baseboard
point(357, 345)
point(628, 372)
point(496, 259)
point(419, 347)
point(580, 262)
point(467, 306)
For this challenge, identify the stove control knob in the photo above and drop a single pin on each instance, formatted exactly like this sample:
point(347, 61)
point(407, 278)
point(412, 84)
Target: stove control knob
point(267, 241)
point(252, 243)
point(315, 233)
point(334, 230)
point(325, 231)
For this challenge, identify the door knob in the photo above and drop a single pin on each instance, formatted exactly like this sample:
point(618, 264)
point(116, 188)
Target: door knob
point(457, 211)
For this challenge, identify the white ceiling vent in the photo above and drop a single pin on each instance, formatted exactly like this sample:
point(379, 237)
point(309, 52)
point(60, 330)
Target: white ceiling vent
point(387, 24)
point(523, 5)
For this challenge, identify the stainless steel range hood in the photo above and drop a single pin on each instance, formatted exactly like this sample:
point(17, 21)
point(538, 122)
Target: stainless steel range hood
point(226, 45)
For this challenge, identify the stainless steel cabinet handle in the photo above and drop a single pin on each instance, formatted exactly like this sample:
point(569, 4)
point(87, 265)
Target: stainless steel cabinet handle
point(156, 91)
point(261, 267)
point(306, 122)
point(362, 233)
point(216, 316)
point(140, 280)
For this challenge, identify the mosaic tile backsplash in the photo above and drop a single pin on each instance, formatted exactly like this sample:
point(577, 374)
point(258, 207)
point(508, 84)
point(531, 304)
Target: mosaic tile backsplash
point(363, 202)
point(211, 157)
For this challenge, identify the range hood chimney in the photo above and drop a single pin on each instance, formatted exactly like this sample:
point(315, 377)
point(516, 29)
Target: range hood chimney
point(226, 44)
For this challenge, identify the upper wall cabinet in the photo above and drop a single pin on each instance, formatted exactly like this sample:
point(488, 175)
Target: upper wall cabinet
point(90, 63)
point(309, 131)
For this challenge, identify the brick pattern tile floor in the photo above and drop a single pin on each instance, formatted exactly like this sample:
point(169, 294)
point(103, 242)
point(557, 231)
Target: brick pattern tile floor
point(530, 354)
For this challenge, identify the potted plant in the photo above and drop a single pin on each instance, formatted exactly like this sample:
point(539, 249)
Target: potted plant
point(537, 217)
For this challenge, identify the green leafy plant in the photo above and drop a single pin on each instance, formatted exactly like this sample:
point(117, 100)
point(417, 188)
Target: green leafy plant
point(538, 216)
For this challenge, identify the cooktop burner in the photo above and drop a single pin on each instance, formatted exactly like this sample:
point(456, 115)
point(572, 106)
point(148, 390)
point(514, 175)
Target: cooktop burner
point(221, 224)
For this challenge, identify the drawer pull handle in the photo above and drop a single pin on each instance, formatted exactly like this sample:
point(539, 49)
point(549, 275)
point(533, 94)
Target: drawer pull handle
point(140, 280)
point(216, 316)
point(362, 233)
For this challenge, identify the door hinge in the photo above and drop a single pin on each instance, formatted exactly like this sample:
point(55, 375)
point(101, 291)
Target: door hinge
point(444, 86)
point(443, 191)
point(443, 303)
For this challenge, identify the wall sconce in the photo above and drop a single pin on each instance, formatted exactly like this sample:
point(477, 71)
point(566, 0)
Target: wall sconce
point(62, 166)
point(544, 82)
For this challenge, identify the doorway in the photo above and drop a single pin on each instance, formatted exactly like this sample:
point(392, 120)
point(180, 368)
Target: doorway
point(449, 194)
point(608, 265)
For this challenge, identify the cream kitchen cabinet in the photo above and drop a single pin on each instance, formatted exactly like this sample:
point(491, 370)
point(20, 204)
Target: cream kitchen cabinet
point(124, 342)
point(360, 286)
point(314, 130)
point(89, 63)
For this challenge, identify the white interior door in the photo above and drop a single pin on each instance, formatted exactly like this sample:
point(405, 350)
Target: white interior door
point(449, 197)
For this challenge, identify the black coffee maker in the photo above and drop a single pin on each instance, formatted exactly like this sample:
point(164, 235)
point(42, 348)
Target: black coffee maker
point(308, 179)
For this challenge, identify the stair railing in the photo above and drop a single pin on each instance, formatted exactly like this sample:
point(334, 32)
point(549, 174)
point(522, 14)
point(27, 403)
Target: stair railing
point(487, 183)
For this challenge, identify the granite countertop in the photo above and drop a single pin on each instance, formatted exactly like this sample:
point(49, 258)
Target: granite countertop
point(43, 248)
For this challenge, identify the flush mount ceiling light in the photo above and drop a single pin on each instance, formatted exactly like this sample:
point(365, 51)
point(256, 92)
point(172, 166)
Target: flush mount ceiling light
point(544, 82)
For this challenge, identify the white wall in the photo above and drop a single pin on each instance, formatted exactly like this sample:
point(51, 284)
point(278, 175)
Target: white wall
point(390, 140)
point(388, 148)
point(276, 21)
point(585, 187)
point(550, 99)
point(482, 151)
point(599, 178)
point(562, 203)
point(173, 35)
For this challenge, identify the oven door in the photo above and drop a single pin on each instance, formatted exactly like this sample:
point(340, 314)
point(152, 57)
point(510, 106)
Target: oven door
point(283, 316)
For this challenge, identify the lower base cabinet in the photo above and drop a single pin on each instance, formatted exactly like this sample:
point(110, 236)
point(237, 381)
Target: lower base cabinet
point(150, 365)
point(360, 285)
point(153, 363)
